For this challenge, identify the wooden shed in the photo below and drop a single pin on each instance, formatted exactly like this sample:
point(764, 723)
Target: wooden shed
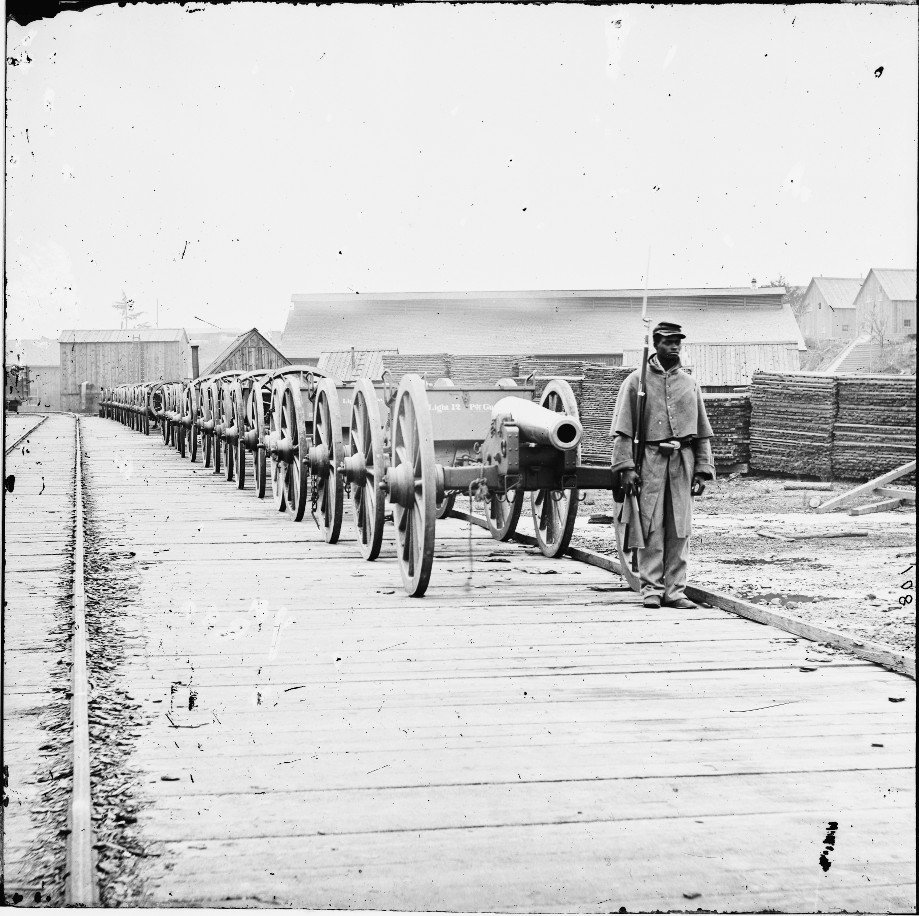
point(107, 357)
point(885, 307)
point(250, 351)
point(828, 309)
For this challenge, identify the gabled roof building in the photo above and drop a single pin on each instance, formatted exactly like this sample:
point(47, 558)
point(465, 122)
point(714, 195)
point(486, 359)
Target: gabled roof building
point(885, 306)
point(250, 350)
point(828, 308)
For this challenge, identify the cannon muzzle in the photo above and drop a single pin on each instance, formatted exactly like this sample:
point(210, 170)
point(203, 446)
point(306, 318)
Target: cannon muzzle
point(539, 424)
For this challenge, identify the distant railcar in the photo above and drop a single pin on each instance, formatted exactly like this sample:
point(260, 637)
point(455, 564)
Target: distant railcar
point(16, 387)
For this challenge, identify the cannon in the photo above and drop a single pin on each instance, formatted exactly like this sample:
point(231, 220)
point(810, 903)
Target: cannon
point(425, 426)
point(522, 447)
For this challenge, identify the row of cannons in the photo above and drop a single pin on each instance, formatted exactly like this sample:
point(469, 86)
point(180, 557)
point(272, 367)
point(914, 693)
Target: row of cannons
point(311, 440)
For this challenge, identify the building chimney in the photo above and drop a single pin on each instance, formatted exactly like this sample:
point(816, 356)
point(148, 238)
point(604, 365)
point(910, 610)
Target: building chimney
point(194, 360)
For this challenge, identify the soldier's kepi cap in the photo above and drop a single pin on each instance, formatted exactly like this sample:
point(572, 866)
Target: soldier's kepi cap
point(667, 329)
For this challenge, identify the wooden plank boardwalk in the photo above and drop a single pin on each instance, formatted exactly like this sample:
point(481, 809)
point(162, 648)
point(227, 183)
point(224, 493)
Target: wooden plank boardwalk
point(37, 587)
point(295, 731)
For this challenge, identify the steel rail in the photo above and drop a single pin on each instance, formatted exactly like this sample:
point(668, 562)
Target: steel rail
point(81, 889)
point(897, 660)
point(25, 435)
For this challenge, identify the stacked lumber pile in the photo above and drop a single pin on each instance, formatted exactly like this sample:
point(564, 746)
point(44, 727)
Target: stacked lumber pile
point(791, 423)
point(875, 427)
point(729, 415)
point(431, 365)
point(597, 401)
point(467, 369)
point(479, 370)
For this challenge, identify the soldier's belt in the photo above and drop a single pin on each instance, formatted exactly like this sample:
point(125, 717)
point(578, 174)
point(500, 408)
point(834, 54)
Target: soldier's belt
point(669, 446)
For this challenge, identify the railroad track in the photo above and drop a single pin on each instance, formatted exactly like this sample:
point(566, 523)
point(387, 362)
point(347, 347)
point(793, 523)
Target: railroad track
point(82, 885)
point(25, 436)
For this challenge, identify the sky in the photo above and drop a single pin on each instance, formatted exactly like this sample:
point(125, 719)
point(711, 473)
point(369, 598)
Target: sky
point(209, 162)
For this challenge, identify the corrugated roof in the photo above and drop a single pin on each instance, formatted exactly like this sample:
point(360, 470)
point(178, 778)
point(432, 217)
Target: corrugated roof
point(347, 365)
point(107, 335)
point(898, 284)
point(44, 351)
point(838, 292)
point(719, 291)
point(577, 323)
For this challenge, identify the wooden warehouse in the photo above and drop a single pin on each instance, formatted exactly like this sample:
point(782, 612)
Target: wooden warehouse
point(250, 350)
point(731, 331)
point(91, 359)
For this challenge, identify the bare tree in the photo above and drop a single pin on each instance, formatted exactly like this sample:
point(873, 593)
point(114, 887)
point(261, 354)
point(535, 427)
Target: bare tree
point(794, 295)
point(876, 325)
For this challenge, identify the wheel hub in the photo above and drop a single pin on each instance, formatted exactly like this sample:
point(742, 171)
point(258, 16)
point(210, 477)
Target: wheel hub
point(355, 470)
point(319, 460)
point(401, 484)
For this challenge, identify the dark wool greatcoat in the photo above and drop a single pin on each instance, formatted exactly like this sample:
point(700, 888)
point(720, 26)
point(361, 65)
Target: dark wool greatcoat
point(674, 409)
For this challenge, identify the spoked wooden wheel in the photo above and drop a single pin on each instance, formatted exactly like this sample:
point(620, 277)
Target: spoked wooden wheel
point(216, 438)
point(554, 511)
point(190, 409)
point(181, 439)
point(238, 429)
point(229, 398)
point(164, 423)
point(444, 507)
point(368, 463)
point(504, 513)
point(255, 424)
point(412, 484)
point(209, 396)
point(277, 461)
point(172, 437)
point(290, 470)
point(329, 452)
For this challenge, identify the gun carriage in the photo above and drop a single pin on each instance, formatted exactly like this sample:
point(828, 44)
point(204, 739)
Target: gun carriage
point(415, 448)
point(519, 446)
point(308, 423)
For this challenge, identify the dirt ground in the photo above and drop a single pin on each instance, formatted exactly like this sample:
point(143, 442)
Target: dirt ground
point(761, 542)
point(756, 540)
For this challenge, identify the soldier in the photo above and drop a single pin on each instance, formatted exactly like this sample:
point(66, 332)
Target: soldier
point(677, 458)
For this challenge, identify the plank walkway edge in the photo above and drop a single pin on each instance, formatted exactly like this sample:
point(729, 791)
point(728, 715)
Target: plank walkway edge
point(887, 656)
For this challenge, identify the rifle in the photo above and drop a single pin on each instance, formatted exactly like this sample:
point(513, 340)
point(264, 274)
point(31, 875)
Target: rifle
point(634, 535)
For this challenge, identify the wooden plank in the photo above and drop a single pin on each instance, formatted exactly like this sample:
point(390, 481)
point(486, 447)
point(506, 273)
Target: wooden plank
point(573, 867)
point(866, 489)
point(882, 505)
point(332, 812)
point(907, 496)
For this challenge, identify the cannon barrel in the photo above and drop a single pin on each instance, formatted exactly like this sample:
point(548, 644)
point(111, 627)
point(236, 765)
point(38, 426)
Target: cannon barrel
point(539, 424)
